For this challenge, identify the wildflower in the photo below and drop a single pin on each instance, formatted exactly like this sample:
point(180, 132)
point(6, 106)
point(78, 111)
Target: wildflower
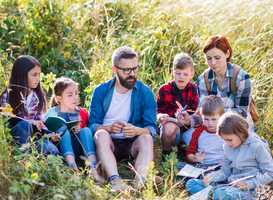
point(34, 176)
point(68, 45)
point(152, 165)
point(28, 165)
point(7, 110)
point(67, 54)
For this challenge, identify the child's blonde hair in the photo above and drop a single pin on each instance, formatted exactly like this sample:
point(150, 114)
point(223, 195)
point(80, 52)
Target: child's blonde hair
point(233, 123)
point(59, 86)
point(182, 60)
point(212, 105)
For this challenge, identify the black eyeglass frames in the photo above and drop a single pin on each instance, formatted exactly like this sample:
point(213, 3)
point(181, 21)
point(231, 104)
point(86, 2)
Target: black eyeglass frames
point(127, 71)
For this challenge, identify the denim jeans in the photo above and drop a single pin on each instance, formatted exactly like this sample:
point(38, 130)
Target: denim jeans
point(22, 133)
point(181, 137)
point(82, 143)
point(225, 192)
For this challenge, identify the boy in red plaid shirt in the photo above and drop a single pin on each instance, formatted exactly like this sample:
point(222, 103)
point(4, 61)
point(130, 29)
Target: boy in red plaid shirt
point(170, 95)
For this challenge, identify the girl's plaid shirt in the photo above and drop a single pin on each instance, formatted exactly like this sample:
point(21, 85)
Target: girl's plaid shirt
point(32, 113)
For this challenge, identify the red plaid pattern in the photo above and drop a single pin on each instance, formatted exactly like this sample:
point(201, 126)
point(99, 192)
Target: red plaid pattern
point(167, 97)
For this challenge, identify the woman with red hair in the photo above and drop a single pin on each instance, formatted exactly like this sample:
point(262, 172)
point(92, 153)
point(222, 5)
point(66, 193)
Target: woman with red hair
point(230, 82)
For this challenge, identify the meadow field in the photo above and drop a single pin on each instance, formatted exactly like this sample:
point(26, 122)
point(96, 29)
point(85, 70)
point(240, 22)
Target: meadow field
point(76, 38)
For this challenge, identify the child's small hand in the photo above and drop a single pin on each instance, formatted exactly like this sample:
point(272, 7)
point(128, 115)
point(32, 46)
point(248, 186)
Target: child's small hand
point(38, 124)
point(206, 180)
point(240, 185)
point(197, 111)
point(162, 120)
point(77, 129)
point(184, 119)
point(200, 156)
point(55, 137)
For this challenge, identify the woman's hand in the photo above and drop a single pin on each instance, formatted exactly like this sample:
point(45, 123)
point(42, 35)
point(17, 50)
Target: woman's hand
point(38, 124)
point(55, 137)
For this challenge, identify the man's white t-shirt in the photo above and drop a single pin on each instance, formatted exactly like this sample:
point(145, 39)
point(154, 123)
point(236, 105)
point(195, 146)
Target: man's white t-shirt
point(119, 110)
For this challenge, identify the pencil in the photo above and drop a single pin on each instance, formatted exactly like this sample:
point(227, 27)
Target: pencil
point(191, 111)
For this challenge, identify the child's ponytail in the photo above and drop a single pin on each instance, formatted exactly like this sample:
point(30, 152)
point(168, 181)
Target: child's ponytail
point(53, 101)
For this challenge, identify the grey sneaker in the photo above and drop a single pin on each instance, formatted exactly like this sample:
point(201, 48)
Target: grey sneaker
point(118, 184)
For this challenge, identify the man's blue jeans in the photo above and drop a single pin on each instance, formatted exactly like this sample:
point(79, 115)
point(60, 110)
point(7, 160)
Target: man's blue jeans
point(81, 143)
point(22, 133)
point(221, 193)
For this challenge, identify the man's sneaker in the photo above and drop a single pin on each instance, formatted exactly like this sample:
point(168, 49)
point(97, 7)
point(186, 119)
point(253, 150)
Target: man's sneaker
point(118, 184)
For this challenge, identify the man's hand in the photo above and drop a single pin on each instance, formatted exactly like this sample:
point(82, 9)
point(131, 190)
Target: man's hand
point(117, 127)
point(161, 118)
point(38, 124)
point(240, 185)
point(185, 117)
point(130, 130)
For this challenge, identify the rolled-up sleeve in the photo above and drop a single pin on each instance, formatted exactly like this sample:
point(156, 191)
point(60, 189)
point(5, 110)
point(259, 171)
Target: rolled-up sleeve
point(149, 114)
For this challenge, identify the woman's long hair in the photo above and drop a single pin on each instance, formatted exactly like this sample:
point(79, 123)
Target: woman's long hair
point(18, 88)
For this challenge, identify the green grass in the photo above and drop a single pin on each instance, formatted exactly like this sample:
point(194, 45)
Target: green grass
point(77, 38)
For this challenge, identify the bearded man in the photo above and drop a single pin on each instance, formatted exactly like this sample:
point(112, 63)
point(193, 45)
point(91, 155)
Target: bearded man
point(123, 120)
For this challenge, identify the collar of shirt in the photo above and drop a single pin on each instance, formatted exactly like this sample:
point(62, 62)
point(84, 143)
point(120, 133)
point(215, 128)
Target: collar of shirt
point(229, 73)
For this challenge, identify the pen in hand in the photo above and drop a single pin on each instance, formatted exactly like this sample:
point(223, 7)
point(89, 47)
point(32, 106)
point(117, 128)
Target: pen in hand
point(183, 110)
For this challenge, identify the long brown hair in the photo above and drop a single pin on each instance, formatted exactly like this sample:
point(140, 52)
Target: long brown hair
point(18, 87)
point(233, 123)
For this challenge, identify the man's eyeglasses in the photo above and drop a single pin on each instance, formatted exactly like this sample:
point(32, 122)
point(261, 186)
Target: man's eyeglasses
point(127, 71)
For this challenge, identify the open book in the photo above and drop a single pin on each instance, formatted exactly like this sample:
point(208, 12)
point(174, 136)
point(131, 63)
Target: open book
point(203, 194)
point(194, 172)
point(55, 122)
point(174, 120)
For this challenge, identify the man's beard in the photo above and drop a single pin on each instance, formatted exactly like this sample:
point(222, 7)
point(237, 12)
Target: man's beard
point(125, 83)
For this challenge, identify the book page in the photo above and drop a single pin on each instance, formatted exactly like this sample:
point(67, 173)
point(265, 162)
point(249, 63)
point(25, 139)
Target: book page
point(190, 171)
point(201, 195)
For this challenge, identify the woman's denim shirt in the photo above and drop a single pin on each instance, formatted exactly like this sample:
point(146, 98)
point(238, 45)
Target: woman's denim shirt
point(143, 107)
